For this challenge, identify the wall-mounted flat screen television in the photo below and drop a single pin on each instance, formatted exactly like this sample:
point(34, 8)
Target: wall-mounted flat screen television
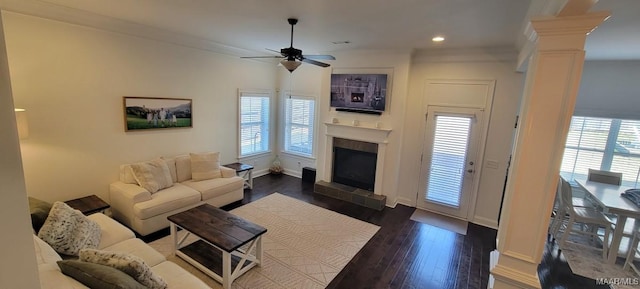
point(363, 93)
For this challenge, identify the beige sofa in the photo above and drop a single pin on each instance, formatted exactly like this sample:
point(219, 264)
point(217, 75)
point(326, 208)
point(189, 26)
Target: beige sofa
point(147, 212)
point(115, 237)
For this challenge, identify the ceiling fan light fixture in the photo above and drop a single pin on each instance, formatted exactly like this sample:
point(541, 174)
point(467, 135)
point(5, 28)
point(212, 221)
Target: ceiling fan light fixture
point(290, 65)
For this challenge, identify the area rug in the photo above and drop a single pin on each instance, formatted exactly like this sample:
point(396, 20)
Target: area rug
point(305, 246)
point(588, 263)
point(440, 221)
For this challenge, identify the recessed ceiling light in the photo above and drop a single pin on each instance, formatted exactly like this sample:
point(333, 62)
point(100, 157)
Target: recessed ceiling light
point(437, 39)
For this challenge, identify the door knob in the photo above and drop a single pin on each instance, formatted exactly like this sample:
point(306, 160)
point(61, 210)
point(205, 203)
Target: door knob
point(470, 171)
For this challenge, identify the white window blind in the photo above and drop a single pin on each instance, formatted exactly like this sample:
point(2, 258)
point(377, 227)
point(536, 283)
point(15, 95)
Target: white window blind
point(299, 128)
point(450, 146)
point(254, 123)
point(603, 144)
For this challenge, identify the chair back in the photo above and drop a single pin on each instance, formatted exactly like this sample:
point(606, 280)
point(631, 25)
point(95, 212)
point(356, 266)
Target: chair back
point(565, 191)
point(605, 177)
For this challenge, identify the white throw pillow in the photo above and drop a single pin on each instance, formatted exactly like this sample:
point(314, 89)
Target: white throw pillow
point(153, 175)
point(132, 265)
point(68, 230)
point(171, 163)
point(205, 166)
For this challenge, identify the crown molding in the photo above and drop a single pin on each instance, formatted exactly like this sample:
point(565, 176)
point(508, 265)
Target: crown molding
point(65, 14)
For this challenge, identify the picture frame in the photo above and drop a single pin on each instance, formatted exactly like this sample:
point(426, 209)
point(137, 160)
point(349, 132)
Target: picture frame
point(151, 113)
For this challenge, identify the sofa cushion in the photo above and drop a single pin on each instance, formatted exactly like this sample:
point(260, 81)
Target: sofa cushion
point(126, 175)
point(205, 166)
point(177, 277)
point(138, 248)
point(169, 199)
point(44, 253)
point(216, 187)
point(152, 175)
point(171, 163)
point(68, 230)
point(125, 262)
point(52, 278)
point(183, 168)
point(96, 276)
point(39, 210)
point(112, 232)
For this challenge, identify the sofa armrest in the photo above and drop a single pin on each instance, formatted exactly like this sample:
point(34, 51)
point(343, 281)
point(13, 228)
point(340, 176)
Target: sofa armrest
point(123, 197)
point(131, 192)
point(112, 231)
point(227, 172)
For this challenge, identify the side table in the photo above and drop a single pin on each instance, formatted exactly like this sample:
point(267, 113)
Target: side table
point(89, 205)
point(247, 171)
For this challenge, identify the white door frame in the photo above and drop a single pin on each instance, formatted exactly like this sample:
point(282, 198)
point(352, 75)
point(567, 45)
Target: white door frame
point(436, 92)
point(469, 179)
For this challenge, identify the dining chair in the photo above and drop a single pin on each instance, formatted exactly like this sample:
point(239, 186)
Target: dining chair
point(559, 214)
point(605, 177)
point(590, 219)
point(633, 250)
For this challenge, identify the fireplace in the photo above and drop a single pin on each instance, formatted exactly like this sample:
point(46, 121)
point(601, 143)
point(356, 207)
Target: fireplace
point(354, 163)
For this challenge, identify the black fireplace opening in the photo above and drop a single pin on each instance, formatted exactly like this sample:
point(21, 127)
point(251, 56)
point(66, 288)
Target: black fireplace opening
point(354, 168)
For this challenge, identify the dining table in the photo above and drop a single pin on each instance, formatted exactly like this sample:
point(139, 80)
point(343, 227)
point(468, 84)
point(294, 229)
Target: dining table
point(609, 198)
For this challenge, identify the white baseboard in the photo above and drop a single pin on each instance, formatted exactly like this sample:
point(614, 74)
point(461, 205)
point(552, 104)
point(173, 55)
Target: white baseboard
point(493, 224)
point(295, 174)
point(260, 173)
point(406, 202)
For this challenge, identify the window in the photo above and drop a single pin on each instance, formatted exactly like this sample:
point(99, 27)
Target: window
point(605, 144)
point(299, 119)
point(254, 123)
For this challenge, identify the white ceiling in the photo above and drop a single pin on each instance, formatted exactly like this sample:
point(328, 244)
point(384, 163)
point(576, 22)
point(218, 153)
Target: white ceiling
point(253, 25)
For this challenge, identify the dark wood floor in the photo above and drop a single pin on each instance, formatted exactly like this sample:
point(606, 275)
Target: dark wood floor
point(407, 254)
point(404, 253)
point(554, 271)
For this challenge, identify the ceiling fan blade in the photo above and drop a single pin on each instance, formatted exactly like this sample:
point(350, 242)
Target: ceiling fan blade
point(273, 50)
point(261, 56)
point(318, 63)
point(320, 57)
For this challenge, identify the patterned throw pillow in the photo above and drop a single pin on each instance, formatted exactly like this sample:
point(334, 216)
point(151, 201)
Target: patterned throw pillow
point(153, 175)
point(205, 166)
point(130, 264)
point(68, 230)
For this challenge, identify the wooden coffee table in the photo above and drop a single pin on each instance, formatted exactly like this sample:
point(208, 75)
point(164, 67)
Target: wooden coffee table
point(221, 235)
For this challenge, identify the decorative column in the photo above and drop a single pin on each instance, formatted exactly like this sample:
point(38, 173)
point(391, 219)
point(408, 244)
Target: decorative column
point(551, 87)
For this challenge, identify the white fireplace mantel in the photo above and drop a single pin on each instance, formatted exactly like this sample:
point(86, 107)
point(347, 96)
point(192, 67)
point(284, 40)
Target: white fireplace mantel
point(360, 132)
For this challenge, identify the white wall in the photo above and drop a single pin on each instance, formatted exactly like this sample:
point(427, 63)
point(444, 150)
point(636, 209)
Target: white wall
point(18, 263)
point(474, 65)
point(393, 117)
point(609, 89)
point(71, 79)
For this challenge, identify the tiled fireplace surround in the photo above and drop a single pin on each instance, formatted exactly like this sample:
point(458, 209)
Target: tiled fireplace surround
point(362, 133)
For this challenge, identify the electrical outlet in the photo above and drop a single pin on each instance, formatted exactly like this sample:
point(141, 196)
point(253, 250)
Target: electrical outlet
point(492, 164)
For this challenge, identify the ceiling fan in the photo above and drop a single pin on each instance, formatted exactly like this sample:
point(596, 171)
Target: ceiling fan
point(290, 54)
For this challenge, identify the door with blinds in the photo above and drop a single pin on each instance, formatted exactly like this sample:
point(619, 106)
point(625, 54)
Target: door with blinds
point(449, 164)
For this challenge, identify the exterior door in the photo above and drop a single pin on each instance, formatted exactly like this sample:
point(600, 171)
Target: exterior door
point(449, 156)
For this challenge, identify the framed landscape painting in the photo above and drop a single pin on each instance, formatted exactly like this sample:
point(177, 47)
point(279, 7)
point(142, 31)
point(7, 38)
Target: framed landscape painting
point(141, 113)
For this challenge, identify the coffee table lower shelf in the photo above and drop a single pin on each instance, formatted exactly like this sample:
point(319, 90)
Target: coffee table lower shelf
point(208, 259)
point(222, 266)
